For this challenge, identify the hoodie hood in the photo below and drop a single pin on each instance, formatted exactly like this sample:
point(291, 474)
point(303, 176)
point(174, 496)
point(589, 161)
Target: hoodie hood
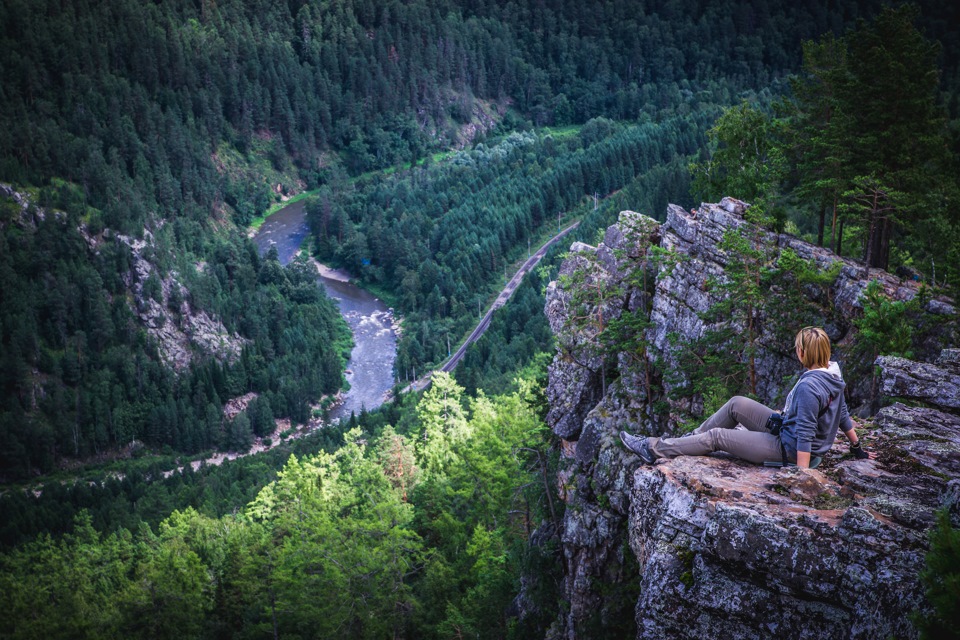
point(834, 370)
point(829, 380)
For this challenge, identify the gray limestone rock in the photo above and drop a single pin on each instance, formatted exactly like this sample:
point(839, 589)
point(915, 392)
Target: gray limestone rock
point(935, 384)
point(711, 546)
point(181, 333)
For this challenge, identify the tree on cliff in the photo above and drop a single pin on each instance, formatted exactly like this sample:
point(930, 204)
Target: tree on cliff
point(864, 137)
point(743, 159)
point(867, 113)
point(815, 126)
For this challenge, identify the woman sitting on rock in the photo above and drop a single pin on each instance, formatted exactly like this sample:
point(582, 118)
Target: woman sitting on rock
point(814, 410)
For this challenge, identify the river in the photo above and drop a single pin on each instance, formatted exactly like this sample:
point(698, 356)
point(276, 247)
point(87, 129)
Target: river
point(370, 368)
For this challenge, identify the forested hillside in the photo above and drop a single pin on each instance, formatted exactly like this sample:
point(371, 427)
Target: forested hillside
point(860, 153)
point(437, 237)
point(81, 377)
point(177, 118)
point(142, 103)
point(441, 139)
point(413, 531)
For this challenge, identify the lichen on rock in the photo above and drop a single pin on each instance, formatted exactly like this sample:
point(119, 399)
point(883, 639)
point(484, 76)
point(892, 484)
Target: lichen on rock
point(712, 546)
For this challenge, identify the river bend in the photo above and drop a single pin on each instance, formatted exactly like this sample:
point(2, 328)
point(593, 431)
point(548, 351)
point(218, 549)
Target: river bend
point(370, 368)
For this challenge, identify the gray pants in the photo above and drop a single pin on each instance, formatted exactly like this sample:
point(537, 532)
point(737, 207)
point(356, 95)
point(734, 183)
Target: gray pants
point(717, 433)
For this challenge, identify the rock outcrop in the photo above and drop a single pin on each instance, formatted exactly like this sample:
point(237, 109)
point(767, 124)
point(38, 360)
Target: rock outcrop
point(683, 294)
point(937, 384)
point(712, 546)
point(181, 331)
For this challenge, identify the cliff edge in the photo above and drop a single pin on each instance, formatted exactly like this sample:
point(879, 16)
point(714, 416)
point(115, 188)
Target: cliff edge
point(699, 547)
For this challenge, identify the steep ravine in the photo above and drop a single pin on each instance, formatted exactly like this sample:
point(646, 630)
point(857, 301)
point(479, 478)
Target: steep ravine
point(710, 547)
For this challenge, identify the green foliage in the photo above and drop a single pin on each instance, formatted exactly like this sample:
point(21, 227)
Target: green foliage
point(744, 161)
point(889, 327)
point(124, 495)
point(798, 294)
point(170, 593)
point(763, 293)
point(870, 199)
point(478, 514)
point(65, 588)
point(137, 96)
point(814, 124)
point(152, 288)
point(344, 545)
point(445, 427)
point(868, 138)
point(441, 237)
point(886, 326)
point(238, 435)
point(81, 378)
point(941, 579)
point(863, 138)
point(742, 290)
point(336, 546)
point(93, 586)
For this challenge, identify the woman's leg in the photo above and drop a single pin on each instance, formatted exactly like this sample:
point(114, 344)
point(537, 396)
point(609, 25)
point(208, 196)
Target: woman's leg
point(754, 446)
point(738, 410)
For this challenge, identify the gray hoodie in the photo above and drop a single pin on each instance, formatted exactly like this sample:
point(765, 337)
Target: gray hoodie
point(815, 410)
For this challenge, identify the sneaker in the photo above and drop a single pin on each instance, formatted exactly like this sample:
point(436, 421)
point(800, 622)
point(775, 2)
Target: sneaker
point(639, 446)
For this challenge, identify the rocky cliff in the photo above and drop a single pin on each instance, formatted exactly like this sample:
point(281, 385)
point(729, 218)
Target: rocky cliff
point(180, 331)
point(710, 546)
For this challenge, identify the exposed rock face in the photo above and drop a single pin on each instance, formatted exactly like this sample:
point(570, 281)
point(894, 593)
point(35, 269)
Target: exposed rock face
point(8, 191)
point(936, 384)
point(728, 549)
point(181, 332)
point(699, 547)
point(683, 293)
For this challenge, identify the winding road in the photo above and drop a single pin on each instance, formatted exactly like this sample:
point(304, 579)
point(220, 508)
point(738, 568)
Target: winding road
point(450, 365)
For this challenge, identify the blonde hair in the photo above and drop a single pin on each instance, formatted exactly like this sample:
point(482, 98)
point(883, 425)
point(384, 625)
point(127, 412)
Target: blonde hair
point(814, 346)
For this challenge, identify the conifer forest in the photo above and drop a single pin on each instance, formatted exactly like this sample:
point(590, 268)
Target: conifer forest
point(435, 144)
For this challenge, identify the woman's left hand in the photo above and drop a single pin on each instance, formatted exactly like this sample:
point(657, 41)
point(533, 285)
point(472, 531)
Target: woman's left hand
point(856, 448)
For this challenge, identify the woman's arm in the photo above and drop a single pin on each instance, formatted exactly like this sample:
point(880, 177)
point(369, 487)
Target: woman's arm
point(852, 433)
point(855, 447)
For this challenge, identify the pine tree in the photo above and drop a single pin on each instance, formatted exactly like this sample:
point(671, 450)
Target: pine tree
point(816, 129)
point(744, 161)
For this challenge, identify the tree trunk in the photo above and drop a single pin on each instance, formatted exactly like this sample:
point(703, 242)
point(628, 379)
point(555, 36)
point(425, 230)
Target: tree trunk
point(823, 215)
point(840, 238)
point(883, 255)
point(833, 228)
point(871, 231)
point(878, 242)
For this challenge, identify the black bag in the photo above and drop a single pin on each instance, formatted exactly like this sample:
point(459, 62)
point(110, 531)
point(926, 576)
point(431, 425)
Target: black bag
point(774, 423)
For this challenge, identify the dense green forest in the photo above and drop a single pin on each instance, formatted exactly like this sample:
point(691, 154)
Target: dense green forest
point(437, 237)
point(180, 118)
point(136, 101)
point(177, 123)
point(80, 376)
point(419, 532)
